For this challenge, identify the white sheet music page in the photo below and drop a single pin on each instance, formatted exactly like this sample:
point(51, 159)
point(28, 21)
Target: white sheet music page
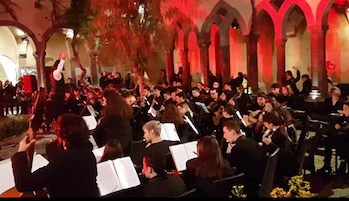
point(107, 179)
point(169, 132)
point(180, 157)
point(38, 162)
point(126, 172)
point(191, 124)
point(191, 149)
point(90, 122)
point(98, 153)
point(7, 180)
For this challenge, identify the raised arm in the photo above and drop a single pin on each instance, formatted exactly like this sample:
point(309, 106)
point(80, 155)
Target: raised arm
point(57, 74)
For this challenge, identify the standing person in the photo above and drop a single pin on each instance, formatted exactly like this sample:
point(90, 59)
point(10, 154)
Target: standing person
point(288, 79)
point(57, 85)
point(72, 171)
point(115, 122)
point(241, 148)
point(9, 93)
point(20, 95)
point(307, 85)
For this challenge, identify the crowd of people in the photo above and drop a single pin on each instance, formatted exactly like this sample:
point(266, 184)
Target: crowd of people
point(236, 132)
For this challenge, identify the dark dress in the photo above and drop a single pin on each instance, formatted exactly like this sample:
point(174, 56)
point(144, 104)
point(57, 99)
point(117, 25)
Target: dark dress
point(203, 185)
point(287, 163)
point(71, 173)
point(114, 127)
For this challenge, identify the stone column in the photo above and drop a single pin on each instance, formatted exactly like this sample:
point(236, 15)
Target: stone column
point(205, 61)
point(186, 77)
point(169, 64)
point(225, 63)
point(93, 58)
point(251, 41)
point(318, 58)
point(280, 52)
point(40, 55)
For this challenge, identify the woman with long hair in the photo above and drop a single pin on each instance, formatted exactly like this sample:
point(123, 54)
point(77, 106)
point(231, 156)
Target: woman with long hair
point(207, 167)
point(115, 122)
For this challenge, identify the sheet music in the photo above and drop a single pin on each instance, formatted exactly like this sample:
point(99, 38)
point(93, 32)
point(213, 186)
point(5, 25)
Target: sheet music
point(203, 106)
point(152, 111)
point(98, 153)
point(107, 179)
point(38, 162)
point(181, 153)
point(126, 172)
point(93, 142)
point(7, 180)
point(169, 132)
point(90, 122)
point(191, 124)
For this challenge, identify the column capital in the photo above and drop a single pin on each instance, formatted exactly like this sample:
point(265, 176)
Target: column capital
point(204, 44)
point(37, 54)
point(280, 41)
point(317, 29)
point(251, 36)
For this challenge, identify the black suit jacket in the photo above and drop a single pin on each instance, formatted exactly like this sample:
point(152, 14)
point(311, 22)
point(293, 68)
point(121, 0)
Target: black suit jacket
point(247, 157)
point(72, 173)
point(114, 127)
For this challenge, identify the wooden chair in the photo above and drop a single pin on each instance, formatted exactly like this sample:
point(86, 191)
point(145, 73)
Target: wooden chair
point(267, 184)
point(222, 187)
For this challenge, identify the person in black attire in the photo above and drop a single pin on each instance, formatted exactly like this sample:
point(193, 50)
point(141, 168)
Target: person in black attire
point(307, 85)
point(242, 100)
point(152, 142)
point(167, 98)
point(158, 183)
point(9, 93)
point(71, 104)
point(115, 122)
point(333, 104)
point(244, 153)
point(202, 90)
point(201, 172)
point(342, 138)
point(146, 102)
point(288, 79)
point(103, 82)
point(275, 91)
point(71, 171)
point(58, 86)
point(158, 98)
point(196, 99)
point(275, 137)
point(288, 97)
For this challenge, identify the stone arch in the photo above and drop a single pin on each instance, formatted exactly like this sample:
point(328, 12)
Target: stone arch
point(24, 28)
point(222, 15)
point(287, 8)
point(265, 7)
point(322, 11)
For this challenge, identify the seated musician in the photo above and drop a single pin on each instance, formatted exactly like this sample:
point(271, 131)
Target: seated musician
point(153, 141)
point(157, 182)
point(208, 166)
point(275, 137)
point(243, 101)
point(186, 131)
point(196, 99)
point(333, 103)
point(70, 173)
point(255, 113)
point(342, 138)
point(288, 96)
point(158, 99)
point(243, 153)
point(275, 91)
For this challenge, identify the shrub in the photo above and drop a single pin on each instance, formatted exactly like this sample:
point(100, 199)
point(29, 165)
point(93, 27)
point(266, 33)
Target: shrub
point(13, 125)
